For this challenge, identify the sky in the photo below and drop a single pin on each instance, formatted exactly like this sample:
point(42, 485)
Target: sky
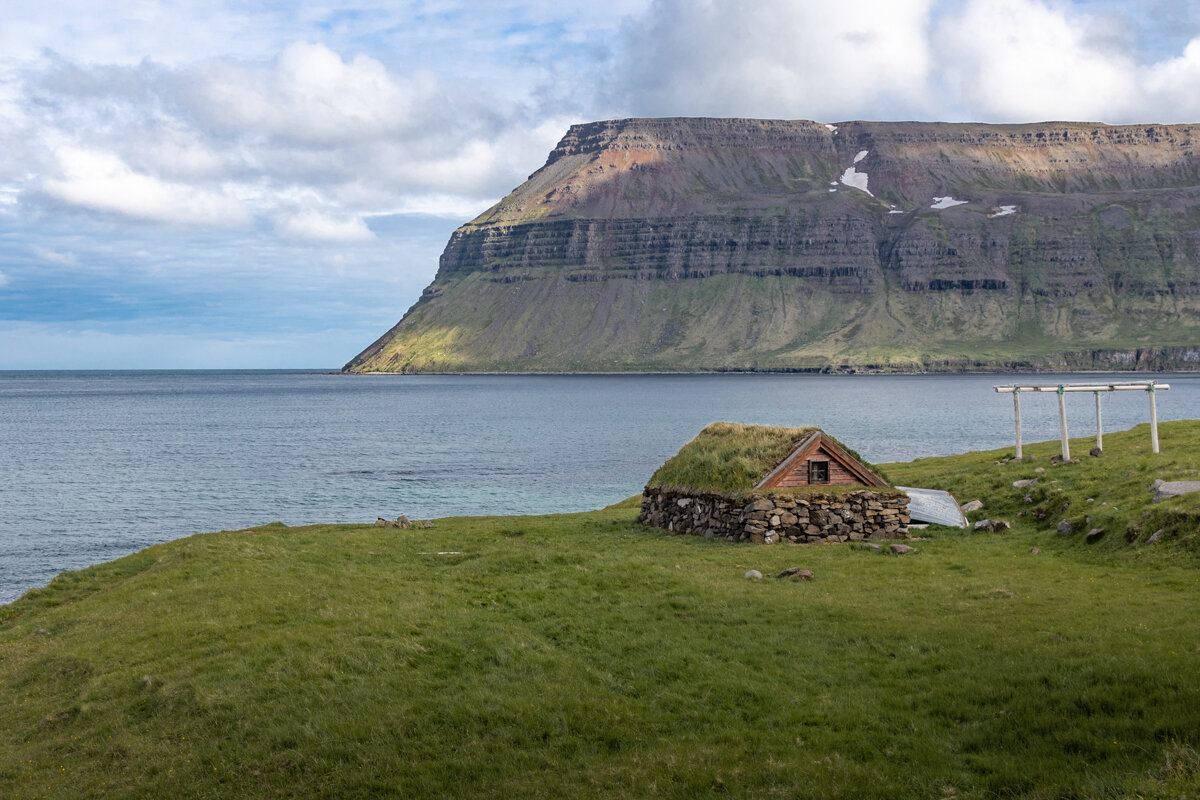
point(237, 184)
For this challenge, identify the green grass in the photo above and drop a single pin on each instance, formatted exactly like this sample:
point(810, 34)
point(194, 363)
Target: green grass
point(729, 456)
point(585, 655)
point(1111, 492)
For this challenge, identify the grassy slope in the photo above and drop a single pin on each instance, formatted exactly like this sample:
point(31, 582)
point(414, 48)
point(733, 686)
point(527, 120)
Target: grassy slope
point(586, 656)
point(740, 322)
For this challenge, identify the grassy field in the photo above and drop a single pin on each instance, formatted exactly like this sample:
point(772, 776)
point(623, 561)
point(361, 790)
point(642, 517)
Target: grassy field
point(584, 655)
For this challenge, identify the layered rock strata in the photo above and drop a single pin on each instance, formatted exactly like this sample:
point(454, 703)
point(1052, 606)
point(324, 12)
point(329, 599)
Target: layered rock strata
point(769, 518)
point(734, 244)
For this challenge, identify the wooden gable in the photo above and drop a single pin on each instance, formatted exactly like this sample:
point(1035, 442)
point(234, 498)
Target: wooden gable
point(819, 461)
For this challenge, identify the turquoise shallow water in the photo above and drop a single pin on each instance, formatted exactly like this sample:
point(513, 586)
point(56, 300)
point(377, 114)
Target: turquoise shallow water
point(96, 465)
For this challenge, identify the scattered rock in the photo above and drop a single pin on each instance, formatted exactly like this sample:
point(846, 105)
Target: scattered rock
point(1065, 528)
point(1167, 489)
point(1034, 551)
point(1025, 484)
point(1057, 459)
point(1040, 470)
point(901, 549)
point(1090, 500)
point(1154, 537)
point(1028, 498)
point(870, 546)
point(403, 522)
point(1095, 452)
point(425, 524)
point(974, 505)
point(1154, 486)
point(797, 573)
point(380, 522)
point(753, 574)
point(1095, 535)
point(992, 525)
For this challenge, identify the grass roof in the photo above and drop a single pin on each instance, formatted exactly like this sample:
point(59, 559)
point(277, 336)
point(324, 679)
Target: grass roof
point(729, 456)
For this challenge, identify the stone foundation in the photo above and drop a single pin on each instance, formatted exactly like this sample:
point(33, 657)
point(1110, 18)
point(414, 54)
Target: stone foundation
point(768, 518)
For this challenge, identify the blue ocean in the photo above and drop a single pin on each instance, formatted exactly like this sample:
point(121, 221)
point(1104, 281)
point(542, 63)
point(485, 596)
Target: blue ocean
point(95, 465)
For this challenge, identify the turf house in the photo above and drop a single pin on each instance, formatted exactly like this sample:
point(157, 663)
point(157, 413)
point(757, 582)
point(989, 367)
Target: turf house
point(762, 484)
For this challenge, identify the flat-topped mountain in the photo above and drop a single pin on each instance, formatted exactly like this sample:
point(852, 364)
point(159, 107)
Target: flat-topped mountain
point(737, 244)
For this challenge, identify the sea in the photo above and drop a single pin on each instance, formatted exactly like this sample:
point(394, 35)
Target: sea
point(95, 465)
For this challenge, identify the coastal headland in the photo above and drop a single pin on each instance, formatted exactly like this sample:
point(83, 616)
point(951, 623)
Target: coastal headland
point(692, 244)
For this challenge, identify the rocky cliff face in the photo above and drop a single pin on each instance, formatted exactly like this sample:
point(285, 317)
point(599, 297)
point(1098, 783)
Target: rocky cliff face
point(729, 244)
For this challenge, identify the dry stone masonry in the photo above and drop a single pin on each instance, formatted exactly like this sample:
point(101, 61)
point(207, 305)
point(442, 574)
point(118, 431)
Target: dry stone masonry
point(769, 518)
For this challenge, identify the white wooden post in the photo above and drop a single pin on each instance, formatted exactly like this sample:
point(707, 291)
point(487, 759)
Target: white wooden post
point(1153, 420)
point(1099, 427)
point(1017, 417)
point(1062, 423)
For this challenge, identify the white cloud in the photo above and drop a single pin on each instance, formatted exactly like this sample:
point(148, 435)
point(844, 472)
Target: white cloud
point(314, 226)
point(310, 95)
point(979, 60)
point(778, 58)
point(1022, 61)
point(220, 142)
point(102, 182)
point(49, 256)
point(4, 279)
point(1172, 83)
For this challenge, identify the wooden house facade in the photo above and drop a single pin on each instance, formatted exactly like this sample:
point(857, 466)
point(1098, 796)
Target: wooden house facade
point(818, 460)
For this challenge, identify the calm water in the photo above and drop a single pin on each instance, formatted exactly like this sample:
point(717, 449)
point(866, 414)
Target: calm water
point(95, 465)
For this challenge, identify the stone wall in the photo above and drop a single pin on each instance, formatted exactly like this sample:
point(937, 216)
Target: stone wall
point(770, 517)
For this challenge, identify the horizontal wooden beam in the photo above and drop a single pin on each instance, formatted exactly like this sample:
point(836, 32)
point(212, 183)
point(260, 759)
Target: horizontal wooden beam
point(1145, 386)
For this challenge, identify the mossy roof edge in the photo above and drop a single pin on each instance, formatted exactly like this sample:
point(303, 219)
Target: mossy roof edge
point(733, 457)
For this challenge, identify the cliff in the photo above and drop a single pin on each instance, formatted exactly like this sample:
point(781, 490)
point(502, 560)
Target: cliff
point(735, 244)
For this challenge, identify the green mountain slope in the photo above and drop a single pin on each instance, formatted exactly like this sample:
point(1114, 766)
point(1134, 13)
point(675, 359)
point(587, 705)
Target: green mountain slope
point(702, 244)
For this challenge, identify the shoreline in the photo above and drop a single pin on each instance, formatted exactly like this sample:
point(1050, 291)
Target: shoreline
point(824, 372)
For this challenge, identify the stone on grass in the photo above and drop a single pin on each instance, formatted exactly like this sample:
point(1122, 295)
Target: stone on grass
point(1154, 537)
point(1035, 551)
point(1065, 528)
point(1095, 535)
point(753, 574)
point(1095, 452)
point(974, 505)
point(1168, 489)
point(1025, 484)
point(901, 549)
point(992, 525)
point(870, 546)
point(797, 573)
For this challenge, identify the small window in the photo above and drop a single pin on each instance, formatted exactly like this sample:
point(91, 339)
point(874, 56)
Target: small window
point(818, 472)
